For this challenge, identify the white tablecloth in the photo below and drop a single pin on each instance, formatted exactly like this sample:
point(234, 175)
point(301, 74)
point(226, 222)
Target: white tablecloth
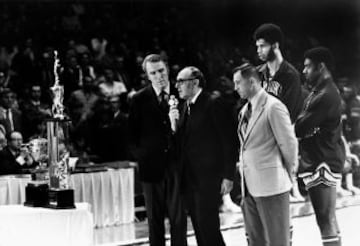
point(20, 225)
point(12, 189)
point(110, 194)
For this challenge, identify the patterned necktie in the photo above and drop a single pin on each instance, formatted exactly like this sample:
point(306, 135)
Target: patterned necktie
point(246, 119)
point(163, 100)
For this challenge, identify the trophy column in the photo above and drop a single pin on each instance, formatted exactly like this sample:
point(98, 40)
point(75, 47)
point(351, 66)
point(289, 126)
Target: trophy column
point(60, 193)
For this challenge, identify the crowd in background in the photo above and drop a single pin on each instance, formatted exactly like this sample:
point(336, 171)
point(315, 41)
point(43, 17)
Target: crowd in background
point(101, 48)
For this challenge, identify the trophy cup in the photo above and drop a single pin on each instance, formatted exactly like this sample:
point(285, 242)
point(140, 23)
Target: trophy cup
point(60, 195)
point(36, 191)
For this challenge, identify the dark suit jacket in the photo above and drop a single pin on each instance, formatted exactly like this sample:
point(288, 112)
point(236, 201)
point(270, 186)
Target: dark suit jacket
point(319, 128)
point(17, 120)
point(8, 163)
point(150, 135)
point(208, 142)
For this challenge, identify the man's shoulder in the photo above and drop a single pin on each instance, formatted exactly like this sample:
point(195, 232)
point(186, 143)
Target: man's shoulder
point(273, 101)
point(142, 95)
point(5, 153)
point(262, 68)
point(288, 69)
point(143, 92)
point(328, 93)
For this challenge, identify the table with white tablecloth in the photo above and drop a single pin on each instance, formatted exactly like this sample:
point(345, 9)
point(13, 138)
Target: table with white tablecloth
point(110, 194)
point(20, 225)
point(12, 189)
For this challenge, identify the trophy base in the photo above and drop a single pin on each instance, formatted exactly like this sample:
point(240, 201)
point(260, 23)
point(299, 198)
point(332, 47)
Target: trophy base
point(61, 199)
point(36, 194)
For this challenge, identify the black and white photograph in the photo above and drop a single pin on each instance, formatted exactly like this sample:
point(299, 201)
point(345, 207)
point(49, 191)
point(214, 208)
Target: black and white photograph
point(179, 122)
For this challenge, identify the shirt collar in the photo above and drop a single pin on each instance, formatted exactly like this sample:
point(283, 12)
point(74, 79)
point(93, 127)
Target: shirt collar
point(35, 103)
point(158, 91)
point(193, 100)
point(255, 99)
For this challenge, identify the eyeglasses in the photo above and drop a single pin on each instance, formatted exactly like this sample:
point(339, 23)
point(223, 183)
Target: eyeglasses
point(182, 81)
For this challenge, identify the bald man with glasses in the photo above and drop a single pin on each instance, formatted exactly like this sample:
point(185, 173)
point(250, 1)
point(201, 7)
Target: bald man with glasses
point(206, 135)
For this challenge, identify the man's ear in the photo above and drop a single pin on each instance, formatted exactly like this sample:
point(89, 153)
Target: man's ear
point(196, 82)
point(322, 67)
point(275, 45)
point(252, 81)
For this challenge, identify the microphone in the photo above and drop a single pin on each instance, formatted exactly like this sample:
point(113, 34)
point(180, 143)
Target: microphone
point(173, 112)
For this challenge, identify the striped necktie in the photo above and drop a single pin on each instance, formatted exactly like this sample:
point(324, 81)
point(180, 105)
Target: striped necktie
point(246, 119)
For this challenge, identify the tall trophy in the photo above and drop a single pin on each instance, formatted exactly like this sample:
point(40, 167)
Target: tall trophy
point(60, 195)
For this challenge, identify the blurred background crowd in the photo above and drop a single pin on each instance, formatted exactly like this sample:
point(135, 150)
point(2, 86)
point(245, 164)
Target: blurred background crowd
point(101, 47)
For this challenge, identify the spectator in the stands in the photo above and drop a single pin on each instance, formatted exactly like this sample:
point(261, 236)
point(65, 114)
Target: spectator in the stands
point(98, 120)
point(10, 117)
point(3, 141)
point(71, 76)
point(47, 77)
point(86, 65)
point(114, 133)
point(33, 111)
point(24, 68)
point(351, 162)
point(15, 157)
point(81, 108)
point(121, 74)
point(352, 112)
point(110, 87)
point(3, 81)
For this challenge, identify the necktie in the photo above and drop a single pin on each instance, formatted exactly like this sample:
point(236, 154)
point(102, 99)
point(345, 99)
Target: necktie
point(246, 118)
point(162, 96)
point(163, 100)
point(188, 108)
point(9, 119)
point(187, 114)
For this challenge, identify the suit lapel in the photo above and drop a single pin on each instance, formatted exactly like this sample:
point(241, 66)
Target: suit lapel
point(193, 114)
point(256, 115)
point(241, 118)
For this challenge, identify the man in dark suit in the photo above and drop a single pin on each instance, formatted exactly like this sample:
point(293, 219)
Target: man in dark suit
point(322, 152)
point(13, 158)
point(151, 145)
point(34, 111)
point(10, 118)
point(206, 134)
point(268, 158)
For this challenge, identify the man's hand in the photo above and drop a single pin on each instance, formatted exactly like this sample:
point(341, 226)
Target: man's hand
point(174, 116)
point(226, 186)
point(354, 159)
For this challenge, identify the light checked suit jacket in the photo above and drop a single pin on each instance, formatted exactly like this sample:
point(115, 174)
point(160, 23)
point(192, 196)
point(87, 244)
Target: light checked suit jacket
point(269, 149)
